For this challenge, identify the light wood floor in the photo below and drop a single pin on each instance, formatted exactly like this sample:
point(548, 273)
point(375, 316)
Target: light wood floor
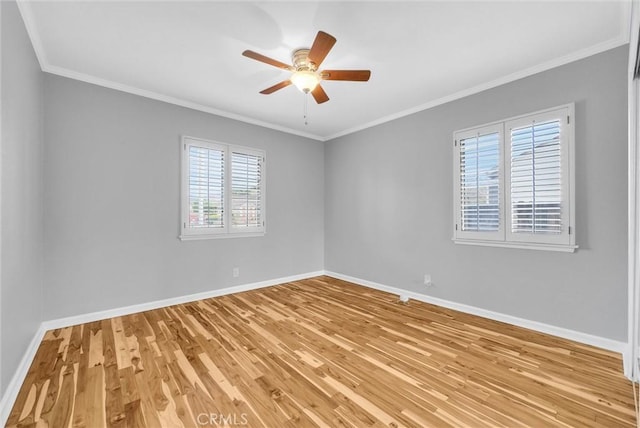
point(318, 352)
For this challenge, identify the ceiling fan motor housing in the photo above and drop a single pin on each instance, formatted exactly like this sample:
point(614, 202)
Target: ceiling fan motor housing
point(300, 59)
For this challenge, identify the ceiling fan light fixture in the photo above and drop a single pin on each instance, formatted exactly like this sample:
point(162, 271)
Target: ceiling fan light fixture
point(305, 80)
point(306, 73)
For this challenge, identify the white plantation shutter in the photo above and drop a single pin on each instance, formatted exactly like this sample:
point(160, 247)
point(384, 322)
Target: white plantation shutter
point(246, 190)
point(223, 190)
point(538, 178)
point(478, 189)
point(206, 187)
point(479, 186)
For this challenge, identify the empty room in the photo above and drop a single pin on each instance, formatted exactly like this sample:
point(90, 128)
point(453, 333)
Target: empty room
point(319, 214)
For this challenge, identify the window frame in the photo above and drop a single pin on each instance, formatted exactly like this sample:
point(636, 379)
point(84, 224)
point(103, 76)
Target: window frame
point(227, 231)
point(504, 237)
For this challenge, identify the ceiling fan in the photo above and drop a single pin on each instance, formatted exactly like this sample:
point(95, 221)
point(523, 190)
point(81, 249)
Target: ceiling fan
point(306, 62)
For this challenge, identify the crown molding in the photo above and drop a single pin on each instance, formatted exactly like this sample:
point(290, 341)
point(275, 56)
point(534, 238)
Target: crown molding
point(27, 16)
point(29, 23)
point(557, 62)
point(59, 71)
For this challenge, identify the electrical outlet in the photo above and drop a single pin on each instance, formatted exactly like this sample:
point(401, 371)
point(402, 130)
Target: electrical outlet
point(427, 280)
point(236, 272)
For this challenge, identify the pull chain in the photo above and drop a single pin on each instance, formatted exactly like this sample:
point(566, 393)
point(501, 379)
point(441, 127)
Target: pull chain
point(306, 109)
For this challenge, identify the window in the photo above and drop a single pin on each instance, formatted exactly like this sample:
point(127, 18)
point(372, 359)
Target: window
point(513, 182)
point(223, 190)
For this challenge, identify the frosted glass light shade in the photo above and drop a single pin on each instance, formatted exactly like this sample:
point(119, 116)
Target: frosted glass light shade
point(306, 81)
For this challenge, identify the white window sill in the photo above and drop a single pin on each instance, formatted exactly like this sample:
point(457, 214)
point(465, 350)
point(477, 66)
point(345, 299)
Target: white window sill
point(519, 245)
point(220, 236)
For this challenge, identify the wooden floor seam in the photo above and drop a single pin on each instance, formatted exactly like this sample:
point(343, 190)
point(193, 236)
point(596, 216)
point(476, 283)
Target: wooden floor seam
point(318, 352)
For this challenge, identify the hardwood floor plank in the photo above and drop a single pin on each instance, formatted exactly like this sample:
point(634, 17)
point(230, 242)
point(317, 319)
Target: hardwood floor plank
point(93, 404)
point(317, 353)
point(61, 411)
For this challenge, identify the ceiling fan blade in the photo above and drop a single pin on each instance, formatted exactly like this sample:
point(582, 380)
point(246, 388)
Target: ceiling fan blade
point(276, 87)
point(351, 75)
point(321, 47)
point(267, 60)
point(319, 95)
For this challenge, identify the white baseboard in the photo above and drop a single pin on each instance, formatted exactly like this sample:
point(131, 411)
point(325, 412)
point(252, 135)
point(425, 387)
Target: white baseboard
point(9, 397)
point(627, 359)
point(10, 394)
point(588, 339)
point(126, 310)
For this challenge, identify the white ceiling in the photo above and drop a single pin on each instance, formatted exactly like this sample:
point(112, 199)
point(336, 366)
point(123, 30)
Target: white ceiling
point(421, 53)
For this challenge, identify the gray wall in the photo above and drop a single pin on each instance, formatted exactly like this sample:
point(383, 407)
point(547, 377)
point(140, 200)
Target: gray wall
point(376, 204)
point(22, 190)
point(388, 205)
point(112, 195)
